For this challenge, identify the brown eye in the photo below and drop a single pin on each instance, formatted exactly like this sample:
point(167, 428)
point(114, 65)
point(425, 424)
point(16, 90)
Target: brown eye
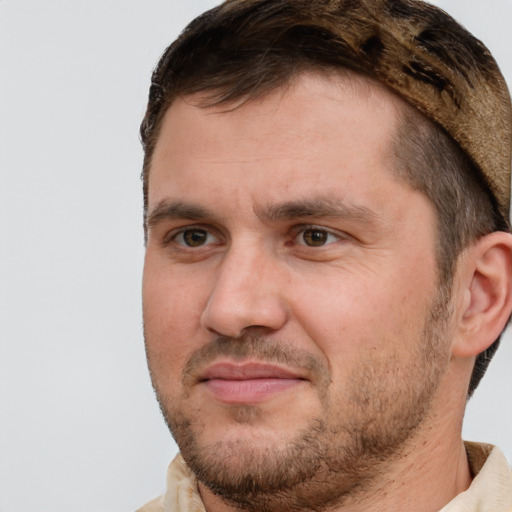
point(315, 237)
point(195, 238)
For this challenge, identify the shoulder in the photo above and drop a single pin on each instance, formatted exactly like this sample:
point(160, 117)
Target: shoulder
point(181, 491)
point(156, 505)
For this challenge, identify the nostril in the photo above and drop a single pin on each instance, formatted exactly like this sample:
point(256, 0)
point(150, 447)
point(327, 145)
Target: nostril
point(235, 320)
point(254, 331)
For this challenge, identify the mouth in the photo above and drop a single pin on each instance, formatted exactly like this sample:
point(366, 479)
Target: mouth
point(248, 383)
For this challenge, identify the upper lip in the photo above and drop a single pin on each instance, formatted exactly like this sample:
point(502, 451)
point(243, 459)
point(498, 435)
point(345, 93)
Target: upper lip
point(247, 371)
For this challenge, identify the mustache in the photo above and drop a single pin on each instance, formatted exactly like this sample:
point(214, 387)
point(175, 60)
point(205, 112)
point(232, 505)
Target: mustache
point(254, 347)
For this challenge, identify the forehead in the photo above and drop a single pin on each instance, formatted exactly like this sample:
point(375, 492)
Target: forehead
point(318, 129)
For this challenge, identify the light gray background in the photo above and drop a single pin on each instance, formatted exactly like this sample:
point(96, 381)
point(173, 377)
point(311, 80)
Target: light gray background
point(80, 429)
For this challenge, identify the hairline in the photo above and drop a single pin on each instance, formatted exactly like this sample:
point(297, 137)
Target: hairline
point(212, 98)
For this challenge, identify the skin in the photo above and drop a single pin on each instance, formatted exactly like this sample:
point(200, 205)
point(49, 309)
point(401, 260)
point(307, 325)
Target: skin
point(280, 240)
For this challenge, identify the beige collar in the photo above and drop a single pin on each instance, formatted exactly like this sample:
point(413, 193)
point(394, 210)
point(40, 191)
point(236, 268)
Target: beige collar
point(490, 491)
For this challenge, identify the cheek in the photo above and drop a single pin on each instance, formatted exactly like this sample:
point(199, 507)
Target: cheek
point(351, 317)
point(171, 314)
point(172, 300)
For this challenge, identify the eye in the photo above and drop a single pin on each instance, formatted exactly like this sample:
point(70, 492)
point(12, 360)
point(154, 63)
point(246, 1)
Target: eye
point(316, 237)
point(194, 237)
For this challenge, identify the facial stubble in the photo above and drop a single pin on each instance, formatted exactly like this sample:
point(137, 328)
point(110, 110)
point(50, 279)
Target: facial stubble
point(336, 456)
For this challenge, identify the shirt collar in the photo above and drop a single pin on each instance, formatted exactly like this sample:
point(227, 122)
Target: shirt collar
point(490, 491)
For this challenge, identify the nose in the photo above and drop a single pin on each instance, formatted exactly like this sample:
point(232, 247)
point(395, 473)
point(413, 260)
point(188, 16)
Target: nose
point(247, 293)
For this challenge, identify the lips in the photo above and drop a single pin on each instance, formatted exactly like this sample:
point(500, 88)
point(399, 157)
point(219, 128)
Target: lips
point(248, 383)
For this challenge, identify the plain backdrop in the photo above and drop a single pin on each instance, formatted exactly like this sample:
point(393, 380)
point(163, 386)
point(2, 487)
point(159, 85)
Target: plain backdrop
point(80, 429)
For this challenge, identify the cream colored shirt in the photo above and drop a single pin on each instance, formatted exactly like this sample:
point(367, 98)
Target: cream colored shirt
point(490, 491)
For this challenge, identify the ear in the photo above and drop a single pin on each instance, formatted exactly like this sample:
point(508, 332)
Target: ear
point(485, 280)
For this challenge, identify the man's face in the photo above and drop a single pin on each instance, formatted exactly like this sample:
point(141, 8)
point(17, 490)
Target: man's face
point(290, 290)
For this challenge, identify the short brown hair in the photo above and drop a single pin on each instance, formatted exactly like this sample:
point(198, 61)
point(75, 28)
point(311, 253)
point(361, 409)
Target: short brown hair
point(432, 163)
point(244, 49)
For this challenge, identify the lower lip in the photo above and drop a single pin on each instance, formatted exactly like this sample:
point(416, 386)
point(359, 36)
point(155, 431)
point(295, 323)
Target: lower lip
point(248, 391)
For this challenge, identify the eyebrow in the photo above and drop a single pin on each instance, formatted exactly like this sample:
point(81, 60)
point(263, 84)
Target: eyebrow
point(289, 210)
point(320, 207)
point(166, 210)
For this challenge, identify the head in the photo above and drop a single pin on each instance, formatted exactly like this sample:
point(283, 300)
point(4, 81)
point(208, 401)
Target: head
point(259, 60)
point(243, 50)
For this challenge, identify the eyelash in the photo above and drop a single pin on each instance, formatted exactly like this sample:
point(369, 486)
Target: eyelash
point(303, 229)
point(296, 232)
point(173, 235)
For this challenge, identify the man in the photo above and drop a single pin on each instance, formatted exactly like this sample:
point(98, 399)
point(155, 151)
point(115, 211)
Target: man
point(329, 257)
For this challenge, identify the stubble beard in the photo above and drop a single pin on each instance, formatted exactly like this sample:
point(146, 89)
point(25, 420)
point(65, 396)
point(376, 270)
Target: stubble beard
point(336, 458)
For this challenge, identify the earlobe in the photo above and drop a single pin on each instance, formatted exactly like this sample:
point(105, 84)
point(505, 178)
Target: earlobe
point(486, 274)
